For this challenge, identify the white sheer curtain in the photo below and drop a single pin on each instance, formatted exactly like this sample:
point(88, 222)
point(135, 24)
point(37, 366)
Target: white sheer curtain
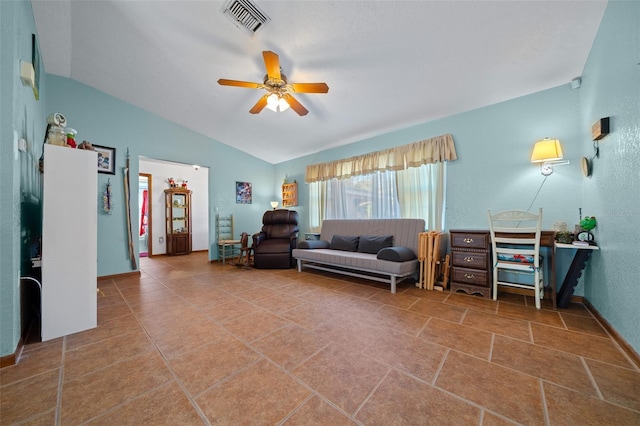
point(421, 193)
point(417, 192)
point(384, 196)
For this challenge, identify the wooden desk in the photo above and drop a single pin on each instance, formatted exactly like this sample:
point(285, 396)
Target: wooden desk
point(547, 239)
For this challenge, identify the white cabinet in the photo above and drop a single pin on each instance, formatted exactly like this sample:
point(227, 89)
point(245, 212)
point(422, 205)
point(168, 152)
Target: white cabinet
point(69, 241)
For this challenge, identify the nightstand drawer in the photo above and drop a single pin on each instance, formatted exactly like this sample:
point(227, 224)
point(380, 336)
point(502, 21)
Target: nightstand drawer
point(470, 276)
point(470, 259)
point(470, 240)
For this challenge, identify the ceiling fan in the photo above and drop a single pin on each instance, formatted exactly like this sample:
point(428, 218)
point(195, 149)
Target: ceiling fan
point(279, 92)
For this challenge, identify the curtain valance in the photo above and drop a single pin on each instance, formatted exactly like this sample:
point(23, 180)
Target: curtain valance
point(433, 150)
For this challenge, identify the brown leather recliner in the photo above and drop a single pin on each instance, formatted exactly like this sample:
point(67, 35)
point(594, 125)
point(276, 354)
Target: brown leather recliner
point(272, 246)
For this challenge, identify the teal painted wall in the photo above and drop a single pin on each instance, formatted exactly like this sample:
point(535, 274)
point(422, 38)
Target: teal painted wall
point(493, 169)
point(611, 88)
point(21, 116)
point(104, 120)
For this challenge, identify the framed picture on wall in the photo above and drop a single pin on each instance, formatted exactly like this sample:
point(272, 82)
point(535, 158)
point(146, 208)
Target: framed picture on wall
point(243, 192)
point(106, 159)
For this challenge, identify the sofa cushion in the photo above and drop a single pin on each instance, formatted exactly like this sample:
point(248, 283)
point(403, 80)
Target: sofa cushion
point(374, 243)
point(344, 242)
point(396, 254)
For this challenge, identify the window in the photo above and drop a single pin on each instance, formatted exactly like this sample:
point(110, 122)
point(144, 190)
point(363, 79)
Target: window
point(417, 192)
point(402, 182)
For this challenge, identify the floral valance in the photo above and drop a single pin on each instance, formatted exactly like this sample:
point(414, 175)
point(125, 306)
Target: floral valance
point(433, 150)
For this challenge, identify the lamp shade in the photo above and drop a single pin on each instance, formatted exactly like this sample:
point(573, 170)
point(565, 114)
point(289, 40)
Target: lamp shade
point(277, 103)
point(274, 204)
point(546, 150)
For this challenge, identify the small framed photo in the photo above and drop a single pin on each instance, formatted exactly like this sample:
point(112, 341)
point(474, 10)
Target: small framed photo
point(243, 192)
point(106, 159)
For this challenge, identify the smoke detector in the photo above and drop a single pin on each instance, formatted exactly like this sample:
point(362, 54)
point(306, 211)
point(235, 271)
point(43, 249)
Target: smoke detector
point(246, 15)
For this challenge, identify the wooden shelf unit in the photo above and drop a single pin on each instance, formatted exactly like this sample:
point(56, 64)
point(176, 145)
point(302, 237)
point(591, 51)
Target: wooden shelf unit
point(289, 194)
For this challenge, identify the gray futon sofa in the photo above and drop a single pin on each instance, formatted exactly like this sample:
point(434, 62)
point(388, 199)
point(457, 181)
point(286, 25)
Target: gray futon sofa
point(383, 250)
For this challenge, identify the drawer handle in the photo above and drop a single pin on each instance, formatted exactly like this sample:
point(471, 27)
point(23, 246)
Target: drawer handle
point(469, 259)
point(469, 276)
point(468, 240)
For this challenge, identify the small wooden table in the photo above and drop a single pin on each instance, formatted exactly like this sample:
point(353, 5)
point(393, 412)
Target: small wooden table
point(579, 262)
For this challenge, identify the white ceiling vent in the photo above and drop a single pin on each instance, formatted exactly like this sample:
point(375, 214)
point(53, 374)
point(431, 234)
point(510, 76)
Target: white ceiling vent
point(246, 15)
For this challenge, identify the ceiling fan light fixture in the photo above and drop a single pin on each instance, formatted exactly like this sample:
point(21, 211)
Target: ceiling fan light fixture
point(276, 103)
point(283, 105)
point(279, 96)
point(272, 102)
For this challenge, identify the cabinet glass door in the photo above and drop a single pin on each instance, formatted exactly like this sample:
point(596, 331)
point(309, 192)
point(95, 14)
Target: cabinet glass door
point(179, 208)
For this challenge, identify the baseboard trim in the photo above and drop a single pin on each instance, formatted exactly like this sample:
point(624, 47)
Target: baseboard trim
point(8, 360)
point(626, 347)
point(115, 276)
point(12, 359)
point(527, 292)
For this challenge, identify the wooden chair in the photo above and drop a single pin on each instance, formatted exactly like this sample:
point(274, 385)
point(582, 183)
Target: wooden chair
point(227, 245)
point(515, 242)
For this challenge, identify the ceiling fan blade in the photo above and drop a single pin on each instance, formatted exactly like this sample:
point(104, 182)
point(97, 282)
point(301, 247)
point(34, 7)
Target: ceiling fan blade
point(294, 104)
point(237, 83)
point(272, 63)
point(259, 106)
point(310, 87)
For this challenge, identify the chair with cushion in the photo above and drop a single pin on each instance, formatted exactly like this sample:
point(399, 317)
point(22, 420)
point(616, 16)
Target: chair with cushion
point(515, 242)
point(273, 244)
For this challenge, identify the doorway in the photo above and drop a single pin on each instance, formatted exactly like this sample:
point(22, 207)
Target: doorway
point(158, 172)
point(144, 215)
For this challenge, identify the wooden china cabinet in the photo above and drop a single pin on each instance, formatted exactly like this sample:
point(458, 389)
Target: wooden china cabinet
point(178, 220)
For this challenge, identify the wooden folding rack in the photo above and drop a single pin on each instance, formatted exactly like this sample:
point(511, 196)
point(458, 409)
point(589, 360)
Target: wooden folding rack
point(434, 260)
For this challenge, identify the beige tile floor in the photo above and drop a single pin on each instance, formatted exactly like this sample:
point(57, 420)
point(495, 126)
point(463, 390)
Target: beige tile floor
point(190, 342)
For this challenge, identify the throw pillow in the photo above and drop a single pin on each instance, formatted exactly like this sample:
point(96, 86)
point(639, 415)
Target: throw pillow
point(344, 242)
point(396, 254)
point(374, 243)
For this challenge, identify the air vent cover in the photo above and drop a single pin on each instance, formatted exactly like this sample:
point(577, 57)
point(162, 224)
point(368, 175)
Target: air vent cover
point(246, 15)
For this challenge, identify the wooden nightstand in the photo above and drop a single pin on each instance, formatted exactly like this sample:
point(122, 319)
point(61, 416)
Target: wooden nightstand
point(471, 262)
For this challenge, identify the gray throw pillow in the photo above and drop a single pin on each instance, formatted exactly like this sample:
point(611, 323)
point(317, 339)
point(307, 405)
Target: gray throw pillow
point(344, 242)
point(374, 243)
point(396, 254)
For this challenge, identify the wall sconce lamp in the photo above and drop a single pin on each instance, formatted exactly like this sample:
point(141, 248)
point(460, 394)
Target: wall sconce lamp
point(548, 152)
point(274, 204)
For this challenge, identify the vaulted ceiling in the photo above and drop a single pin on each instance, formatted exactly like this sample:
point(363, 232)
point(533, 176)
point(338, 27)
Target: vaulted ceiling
point(388, 64)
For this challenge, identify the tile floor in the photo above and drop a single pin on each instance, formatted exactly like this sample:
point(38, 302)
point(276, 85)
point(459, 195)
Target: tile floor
point(190, 342)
